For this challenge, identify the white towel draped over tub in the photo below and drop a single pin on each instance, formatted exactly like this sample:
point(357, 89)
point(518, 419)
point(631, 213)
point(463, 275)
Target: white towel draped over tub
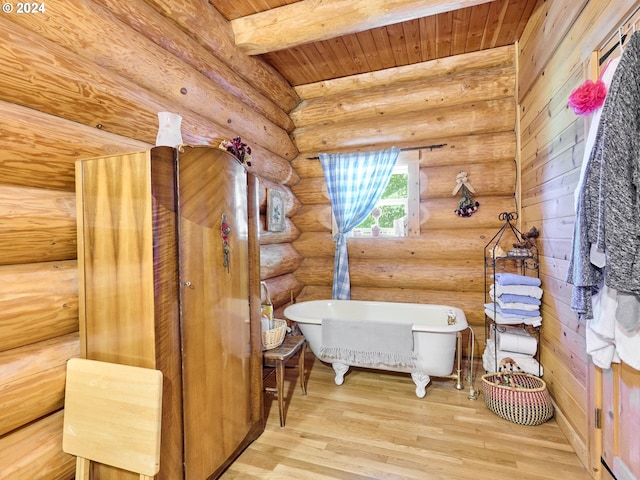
point(360, 342)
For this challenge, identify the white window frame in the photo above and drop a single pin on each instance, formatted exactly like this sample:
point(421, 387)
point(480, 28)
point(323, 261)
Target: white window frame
point(411, 160)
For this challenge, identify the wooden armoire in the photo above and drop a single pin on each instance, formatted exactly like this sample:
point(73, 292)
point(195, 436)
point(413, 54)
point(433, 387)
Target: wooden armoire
point(168, 262)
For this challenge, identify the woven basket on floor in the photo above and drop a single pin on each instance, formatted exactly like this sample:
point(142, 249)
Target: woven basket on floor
point(524, 399)
point(274, 337)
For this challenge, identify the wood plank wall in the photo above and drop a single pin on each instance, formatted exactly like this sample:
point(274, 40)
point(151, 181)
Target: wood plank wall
point(67, 93)
point(87, 79)
point(553, 60)
point(466, 102)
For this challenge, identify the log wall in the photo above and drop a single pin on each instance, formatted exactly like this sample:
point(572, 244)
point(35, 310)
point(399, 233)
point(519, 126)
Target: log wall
point(465, 102)
point(87, 79)
point(554, 59)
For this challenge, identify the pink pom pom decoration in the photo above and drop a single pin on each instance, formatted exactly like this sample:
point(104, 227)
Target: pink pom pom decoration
point(588, 97)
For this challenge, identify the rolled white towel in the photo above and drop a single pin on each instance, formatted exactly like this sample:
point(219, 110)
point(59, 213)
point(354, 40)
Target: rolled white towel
point(517, 343)
point(526, 363)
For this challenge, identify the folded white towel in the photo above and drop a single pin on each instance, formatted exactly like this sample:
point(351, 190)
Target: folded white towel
point(517, 306)
point(511, 298)
point(515, 279)
point(531, 291)
point(512, 312)
point(500, 319)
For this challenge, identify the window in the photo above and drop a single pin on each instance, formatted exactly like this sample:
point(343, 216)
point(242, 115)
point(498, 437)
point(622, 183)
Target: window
point(397, 212)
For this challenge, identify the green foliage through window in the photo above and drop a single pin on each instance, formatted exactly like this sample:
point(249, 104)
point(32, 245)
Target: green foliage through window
point(397, 188)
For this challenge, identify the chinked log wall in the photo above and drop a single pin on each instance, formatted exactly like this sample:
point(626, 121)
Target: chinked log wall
point(466, 102)
point(82, 81)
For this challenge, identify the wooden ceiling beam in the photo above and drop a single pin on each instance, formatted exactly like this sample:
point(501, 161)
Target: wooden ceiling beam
point(314, 20)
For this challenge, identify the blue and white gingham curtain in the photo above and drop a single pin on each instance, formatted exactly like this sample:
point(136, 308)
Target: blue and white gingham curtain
point(355, 183)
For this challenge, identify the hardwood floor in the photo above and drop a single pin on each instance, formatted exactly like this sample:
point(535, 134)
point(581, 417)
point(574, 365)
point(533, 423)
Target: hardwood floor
point(374, 427)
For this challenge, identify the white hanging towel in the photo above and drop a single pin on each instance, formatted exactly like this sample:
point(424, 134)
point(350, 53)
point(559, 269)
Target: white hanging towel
point(628, 346)
point(601, 330)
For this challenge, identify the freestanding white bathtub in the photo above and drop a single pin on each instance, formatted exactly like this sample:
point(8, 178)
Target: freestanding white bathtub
point(436, 333)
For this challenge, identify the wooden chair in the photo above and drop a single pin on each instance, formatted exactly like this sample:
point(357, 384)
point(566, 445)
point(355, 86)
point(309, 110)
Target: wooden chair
point(277, 358)
point(112, 415)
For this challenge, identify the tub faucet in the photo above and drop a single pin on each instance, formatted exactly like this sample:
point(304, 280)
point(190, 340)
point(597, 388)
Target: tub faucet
point(451, 317)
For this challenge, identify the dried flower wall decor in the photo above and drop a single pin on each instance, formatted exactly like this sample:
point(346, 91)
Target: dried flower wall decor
point(237, 148)
point(467, 206)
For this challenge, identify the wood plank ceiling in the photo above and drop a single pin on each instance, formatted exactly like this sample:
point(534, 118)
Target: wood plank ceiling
point(402, 36)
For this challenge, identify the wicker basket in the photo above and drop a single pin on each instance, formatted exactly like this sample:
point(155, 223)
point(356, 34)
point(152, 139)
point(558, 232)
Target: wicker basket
point(524, 399)
point(274, 337)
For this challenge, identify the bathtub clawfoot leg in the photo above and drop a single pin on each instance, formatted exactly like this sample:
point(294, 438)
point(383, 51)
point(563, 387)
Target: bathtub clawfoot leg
point(340, 369)
point(421, 380)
